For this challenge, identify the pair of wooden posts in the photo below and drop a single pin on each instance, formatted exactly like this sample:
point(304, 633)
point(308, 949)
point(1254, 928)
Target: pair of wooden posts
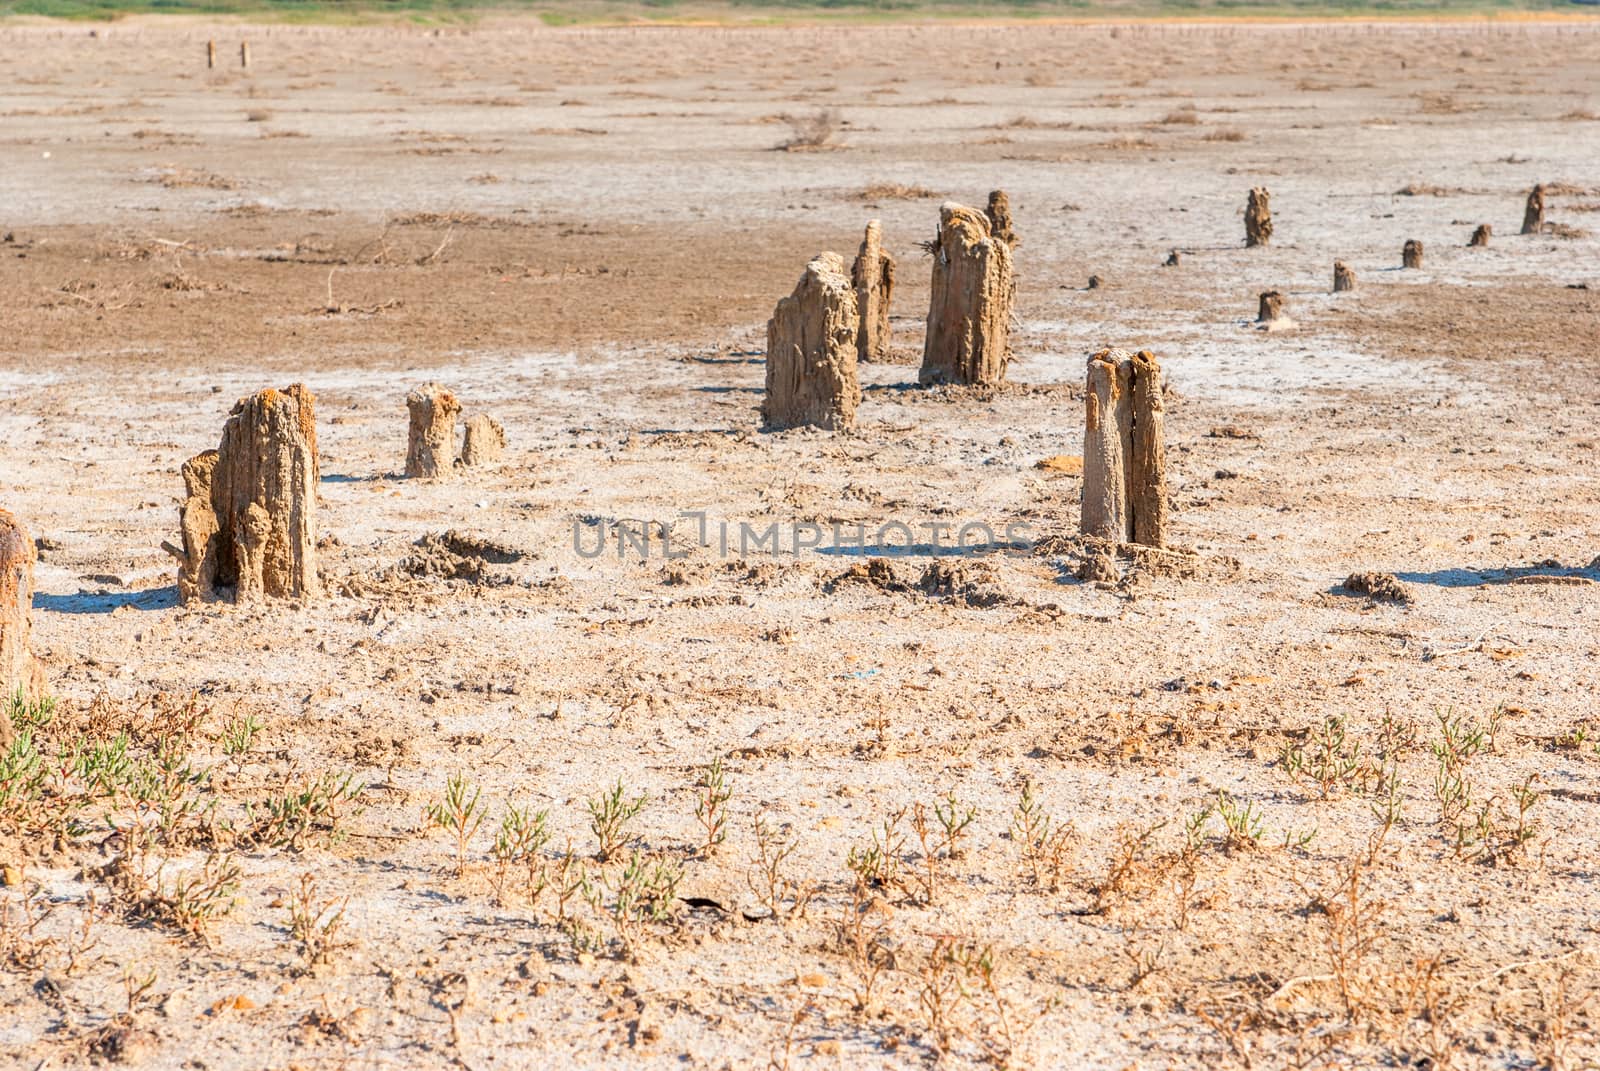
point(431, 435)
point(211, 54)
point(834, 319)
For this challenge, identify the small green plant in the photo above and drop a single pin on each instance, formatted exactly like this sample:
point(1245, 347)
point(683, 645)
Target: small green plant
point(519, 843)
point(34, 713)
point(191, 903)
point(1327, 758)
point(1043, 840)
point(711, 805)
point(773, 889)
point(315, 923)
point(949, 975)
point(239, 734)
point(645, 892)
point(609, 815)
point(457, 813)
point(314, 808)
point(878, 862)
point(1243, 828)
point(954, 817)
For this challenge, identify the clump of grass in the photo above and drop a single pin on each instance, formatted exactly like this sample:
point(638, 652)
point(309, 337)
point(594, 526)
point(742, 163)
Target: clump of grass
point(1224, 133)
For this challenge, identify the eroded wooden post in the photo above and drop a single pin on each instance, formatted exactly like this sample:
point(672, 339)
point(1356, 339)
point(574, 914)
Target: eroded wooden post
point(431, 435)
point(1481, 236)
point(1343, 278)
point(211, 55)
point(1124, 450)
point(1107, 447)
point(1411, 254)
point(484, 442)
point(873, 277)
point(19, 670)
point(248, 518)
point(1000, 219)
point(811, 351)
point(1147, 483)
point(1258, 217)
point(969, 307)
point(1533, 213)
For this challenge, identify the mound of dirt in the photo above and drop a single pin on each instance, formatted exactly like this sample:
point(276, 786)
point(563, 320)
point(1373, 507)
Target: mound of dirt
point(1379, 587)
point(974, 584)
point(455, 555)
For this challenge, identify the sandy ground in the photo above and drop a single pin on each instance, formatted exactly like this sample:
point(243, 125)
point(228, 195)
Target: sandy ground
point(582, 233)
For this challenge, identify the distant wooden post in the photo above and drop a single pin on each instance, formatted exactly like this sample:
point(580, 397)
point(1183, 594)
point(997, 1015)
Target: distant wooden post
point(211, 55)
point(1480, 237)
point(1533, 215)
point(1258, 217)
point(873, 277)
point(244, 53)
point(1411, 255)
point(1343, 278)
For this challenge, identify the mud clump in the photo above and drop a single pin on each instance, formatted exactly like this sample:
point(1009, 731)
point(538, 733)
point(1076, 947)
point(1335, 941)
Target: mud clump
point(1411, 254)
point(1258, 218)
point(1379, 587)
point(455, 555)
point(811, 351)
point(431, 437)
point(1343, 278)
point(248, 519)
point(974, 584)
point(873, 277)
point(1098, 566)
point(485, 441)
point(969, 307)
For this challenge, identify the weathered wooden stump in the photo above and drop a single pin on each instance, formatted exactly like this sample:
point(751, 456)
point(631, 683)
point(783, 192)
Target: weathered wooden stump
point(1481, 236)
point(1343, 278)
point(1411, 255)
point(1533, 214)
point(1174, 260)
point(1273, 309)
point(249, 516)
point(485, 441)
point(1095, 282)
point(873, 277)
point(1124, 455)
point(1000, 219)
point(1258, 217)
point(19, 670)
point(969, 308)
point(811, 351)
point(431, 437)
point(1147, 481)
